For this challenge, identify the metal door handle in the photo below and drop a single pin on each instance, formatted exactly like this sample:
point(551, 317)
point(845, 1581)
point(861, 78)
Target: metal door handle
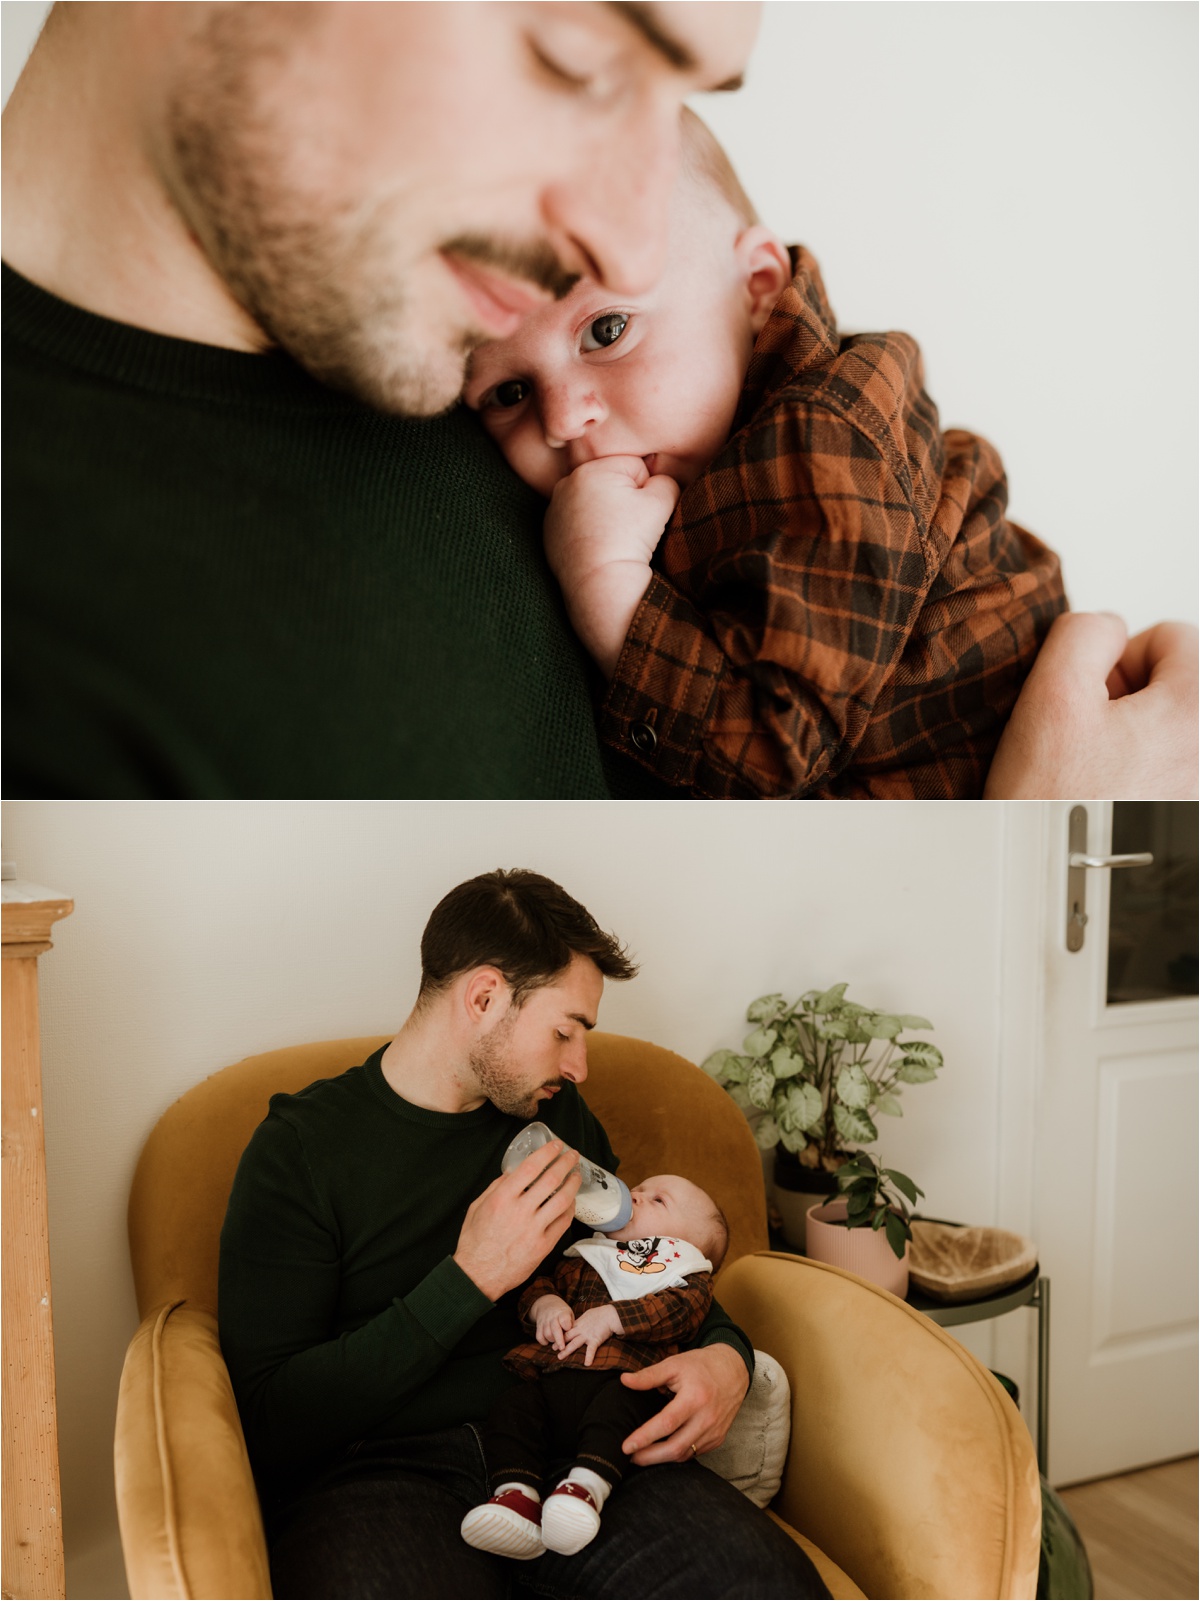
point(1138, 859)
point(1078, 861)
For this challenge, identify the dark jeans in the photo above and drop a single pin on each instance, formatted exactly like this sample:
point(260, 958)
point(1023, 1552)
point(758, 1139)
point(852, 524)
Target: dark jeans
point(575, 1415)
point(385, 1523)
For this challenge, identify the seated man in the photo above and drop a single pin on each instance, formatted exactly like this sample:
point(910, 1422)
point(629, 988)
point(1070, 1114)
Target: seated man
point(370, 1264)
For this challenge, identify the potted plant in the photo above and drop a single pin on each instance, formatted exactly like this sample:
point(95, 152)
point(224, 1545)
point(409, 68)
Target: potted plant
point(866, 1230)
point(813, 1076)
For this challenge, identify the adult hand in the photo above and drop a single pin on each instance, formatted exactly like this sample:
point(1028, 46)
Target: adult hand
point(518, 1219)
point(1103, 717)
point(708, 1387)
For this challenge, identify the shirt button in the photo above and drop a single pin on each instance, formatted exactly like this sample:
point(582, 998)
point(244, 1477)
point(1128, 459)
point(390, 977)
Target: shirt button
point(644, 738)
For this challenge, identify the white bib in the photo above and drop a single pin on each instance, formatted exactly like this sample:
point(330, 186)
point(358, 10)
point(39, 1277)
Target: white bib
point(631, 1268)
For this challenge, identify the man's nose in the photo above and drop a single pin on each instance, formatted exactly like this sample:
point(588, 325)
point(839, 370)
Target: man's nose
point(569, 410)
point(610, 216)
point(574, 1063)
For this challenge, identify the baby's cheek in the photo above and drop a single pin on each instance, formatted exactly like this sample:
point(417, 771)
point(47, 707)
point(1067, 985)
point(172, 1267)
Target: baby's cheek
point(528, 454)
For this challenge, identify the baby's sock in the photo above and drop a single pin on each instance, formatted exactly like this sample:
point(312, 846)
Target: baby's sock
point(525, 1489)
point(569, 1522)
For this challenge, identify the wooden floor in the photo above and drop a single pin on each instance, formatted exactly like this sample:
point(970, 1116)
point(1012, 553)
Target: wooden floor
point(1140, 1532)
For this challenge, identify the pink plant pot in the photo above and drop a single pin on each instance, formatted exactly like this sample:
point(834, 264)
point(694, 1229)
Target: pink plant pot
point(862, 1251)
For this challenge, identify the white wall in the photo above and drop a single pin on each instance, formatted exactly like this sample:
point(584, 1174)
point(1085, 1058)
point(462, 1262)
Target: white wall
point(1015, 185)
point(203, 933)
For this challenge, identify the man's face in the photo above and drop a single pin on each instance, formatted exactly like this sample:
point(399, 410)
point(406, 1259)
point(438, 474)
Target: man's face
point(530, 1051)
point(384, 186)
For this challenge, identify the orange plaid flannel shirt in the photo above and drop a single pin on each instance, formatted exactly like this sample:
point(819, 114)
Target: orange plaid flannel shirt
point(840, 607)
point(654, 1326)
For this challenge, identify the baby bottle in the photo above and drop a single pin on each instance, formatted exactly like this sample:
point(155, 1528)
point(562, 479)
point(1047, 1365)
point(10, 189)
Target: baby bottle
point(603, 1202)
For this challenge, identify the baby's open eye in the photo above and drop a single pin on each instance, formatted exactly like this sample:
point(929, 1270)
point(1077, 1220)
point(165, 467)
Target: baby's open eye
point(510, 393)
point(604, 331)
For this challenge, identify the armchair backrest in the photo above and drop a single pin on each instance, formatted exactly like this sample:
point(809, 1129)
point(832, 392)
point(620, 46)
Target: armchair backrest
point(662, 1114)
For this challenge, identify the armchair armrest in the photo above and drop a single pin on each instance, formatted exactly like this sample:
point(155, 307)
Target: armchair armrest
point(186, 1502)
point(909, 1466)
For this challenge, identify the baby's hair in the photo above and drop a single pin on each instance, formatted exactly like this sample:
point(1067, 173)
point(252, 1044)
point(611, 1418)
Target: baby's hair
point(706, 163)
point(718, 1240)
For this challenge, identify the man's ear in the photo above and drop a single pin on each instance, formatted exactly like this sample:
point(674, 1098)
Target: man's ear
point(484, 993)
point(765, 268)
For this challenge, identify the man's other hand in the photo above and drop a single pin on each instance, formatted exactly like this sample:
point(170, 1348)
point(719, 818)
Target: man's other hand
point(708, 1386)
point(518, 1219)
point(1102, 717)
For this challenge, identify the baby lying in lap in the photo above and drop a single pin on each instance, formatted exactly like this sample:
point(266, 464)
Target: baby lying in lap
point(838, 606)
point(616, 1303)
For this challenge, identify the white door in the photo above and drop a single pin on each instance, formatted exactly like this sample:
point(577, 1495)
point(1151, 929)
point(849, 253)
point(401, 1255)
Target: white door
point(1115, 1206)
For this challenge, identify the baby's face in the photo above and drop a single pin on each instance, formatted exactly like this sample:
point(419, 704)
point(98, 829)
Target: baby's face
point(669, 1205)
point(655, 375)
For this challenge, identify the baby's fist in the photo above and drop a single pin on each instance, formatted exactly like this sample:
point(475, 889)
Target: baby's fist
point(552, 1319)
point(604, 521)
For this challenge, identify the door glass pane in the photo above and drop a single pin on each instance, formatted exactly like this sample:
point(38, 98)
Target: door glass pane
point(1152, 936)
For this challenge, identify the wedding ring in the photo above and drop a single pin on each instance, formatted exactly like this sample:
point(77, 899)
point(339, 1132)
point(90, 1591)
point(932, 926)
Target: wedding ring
point(693, 1450)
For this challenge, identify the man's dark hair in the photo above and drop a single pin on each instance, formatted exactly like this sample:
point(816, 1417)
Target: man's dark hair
point(520, 922)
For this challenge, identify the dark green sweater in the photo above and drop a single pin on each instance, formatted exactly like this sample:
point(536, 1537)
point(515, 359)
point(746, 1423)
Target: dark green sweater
point(223, 579)
point(342, 1315)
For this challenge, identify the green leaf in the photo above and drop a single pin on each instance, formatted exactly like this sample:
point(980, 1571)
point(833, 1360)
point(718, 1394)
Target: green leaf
point(784, 1064)
point(921, 1051)
point(856, 1126)
point(910, 1072)
point(793, 1140)
point(767, 1134)
point(761, 1085)
point(852, 1009)
point(904, 1184)
point(760, 1042)
point(860, 1202)
point(828, 999)
point(889, 1106)
point(856, 1033)
point(767, 1006)
point(737, 1069)
point(740, 1096)
point(716, 1064)
point(809, 999)
point(878, 1220)
point(910, 1021)
point(833, 1031)
point(853, 1087)
point(804, 1105)
point(881, 1026)
point(860, 1166)
point(898, 1233)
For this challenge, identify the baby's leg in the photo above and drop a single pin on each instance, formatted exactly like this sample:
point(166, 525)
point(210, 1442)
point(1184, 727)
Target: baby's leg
point(515, 1445)
point(603, 1413)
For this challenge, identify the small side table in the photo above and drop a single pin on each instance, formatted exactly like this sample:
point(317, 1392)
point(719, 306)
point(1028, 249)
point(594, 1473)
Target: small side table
point(1033, 1291)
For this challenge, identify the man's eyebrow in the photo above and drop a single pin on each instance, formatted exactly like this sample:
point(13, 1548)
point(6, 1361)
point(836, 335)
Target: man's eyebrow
point(578, 1017)
point(643, 17)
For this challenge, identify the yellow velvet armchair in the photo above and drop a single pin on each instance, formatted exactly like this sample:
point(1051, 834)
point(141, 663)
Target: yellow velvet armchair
point(910, 1472)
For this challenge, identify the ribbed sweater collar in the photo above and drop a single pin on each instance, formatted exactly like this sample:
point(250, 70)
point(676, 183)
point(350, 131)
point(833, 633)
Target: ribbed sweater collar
point(155, 362)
